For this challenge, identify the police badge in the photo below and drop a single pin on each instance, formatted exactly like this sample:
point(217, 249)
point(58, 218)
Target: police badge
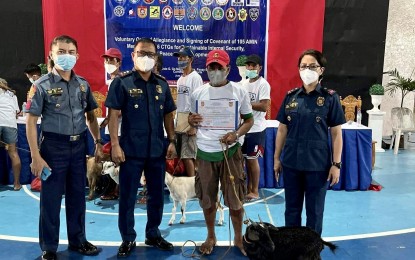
point(320, 101)
point(158, 89)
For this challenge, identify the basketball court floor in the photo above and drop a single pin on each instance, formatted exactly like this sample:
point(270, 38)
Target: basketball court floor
point(364, 224)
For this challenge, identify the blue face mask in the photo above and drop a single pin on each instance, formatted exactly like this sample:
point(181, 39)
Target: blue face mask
point(182, 64)
point(251, 74)
point(65, 62)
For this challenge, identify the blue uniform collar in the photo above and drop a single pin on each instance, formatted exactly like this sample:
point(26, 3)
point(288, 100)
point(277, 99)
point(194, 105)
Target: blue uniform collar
point(57, 77)
point(318, 89)
point(138, 76)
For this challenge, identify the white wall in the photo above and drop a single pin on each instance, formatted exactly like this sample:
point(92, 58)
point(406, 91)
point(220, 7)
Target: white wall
point(399, 53)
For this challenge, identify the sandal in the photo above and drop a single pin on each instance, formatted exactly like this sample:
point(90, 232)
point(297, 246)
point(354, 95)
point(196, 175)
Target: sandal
point(17, 188)
point(109, 197)
point(250, 198)
point(207, 247)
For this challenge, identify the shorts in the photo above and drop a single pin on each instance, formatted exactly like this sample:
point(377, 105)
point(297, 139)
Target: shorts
point(254, 144)
point(8, 134)
point(187, 146)
point(208, 175)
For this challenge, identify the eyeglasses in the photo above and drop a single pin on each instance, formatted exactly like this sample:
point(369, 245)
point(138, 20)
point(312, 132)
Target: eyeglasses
point(313, 67)
point(152, 55)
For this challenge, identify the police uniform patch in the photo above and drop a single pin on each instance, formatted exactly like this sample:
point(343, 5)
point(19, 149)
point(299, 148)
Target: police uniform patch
point(159, 89)
point(292, 90)
point(320, 101)
point(330, 91)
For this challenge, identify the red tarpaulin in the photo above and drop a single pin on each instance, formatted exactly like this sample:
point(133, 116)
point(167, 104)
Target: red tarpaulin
point(294, 25)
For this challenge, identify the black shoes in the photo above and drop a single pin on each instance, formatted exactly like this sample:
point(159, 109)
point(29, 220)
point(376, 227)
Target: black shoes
point(86, 249)
point(160, 243)
point(125, 248)
point(49, 255)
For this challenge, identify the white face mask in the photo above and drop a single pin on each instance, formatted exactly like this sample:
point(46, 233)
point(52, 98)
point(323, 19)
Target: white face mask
point(110, 68)
point(309, 76)
point(217, 77)
point(144, 64)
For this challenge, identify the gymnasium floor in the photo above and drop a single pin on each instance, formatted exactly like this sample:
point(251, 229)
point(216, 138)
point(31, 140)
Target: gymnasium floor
point(365, 225)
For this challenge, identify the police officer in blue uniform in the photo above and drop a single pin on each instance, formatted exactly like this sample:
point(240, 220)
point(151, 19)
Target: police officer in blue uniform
point(62, 99)
point(308, 164)
point(145, 102)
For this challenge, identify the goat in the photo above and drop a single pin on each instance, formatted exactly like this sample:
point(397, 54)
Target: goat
point(112, 170)
point(93, 173)
point(182, 189)
point(265, 241)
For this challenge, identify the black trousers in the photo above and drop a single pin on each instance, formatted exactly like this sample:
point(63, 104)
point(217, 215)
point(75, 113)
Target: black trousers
point(311, 185)
point(130, 174)
point(68, 162)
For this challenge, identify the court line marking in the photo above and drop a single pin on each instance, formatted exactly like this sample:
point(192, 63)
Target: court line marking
point(220, 243)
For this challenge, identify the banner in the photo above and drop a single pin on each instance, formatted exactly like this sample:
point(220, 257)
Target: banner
point(292, 27)
point(236, 26)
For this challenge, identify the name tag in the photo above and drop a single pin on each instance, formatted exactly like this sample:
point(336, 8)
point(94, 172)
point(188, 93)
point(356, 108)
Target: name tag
point(55, 91)
point(135, 92)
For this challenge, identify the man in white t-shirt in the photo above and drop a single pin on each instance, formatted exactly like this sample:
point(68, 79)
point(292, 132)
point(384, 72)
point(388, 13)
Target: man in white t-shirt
point(253, 147)
point(213, 144)
point(186, 85)
point(9, 109)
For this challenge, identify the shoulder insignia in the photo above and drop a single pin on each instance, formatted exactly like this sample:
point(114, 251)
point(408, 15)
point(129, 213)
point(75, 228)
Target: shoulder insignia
point(125, 73)
point(292, 90)
point(330, 91)
point(160, 77)
point(81, 77)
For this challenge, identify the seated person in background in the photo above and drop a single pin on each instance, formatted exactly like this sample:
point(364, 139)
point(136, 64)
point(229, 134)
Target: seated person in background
point(33, 72)
point(8, 128)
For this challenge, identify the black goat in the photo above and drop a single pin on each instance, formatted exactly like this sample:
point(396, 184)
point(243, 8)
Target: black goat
point(265, 241)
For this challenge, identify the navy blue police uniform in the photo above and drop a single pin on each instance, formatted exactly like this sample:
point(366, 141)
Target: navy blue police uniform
point(143, 105)
point(307, 157)
point(62, 105)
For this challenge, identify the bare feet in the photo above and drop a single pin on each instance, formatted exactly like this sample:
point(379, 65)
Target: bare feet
point(207, 247)
point(238, 243)
point(17, 187)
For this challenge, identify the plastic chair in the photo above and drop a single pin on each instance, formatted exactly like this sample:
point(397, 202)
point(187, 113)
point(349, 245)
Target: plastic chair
point(351, 104)
point(402, 122)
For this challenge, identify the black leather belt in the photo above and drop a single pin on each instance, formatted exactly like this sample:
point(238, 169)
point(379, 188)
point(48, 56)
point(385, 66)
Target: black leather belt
point(64, 138)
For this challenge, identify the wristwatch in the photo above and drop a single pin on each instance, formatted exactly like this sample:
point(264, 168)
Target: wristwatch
point(337, 164)
point(98, 141)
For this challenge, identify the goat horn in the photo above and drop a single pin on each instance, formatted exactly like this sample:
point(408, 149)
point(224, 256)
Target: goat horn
point(260, 220)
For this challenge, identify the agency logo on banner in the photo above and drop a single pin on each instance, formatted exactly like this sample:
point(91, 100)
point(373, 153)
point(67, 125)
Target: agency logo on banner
point(254, 13)
point(154, 12)
point(207, 2)
point(179, 12)
point(167, 12)
point(231, 14)
point(192, 13)
point(142, 11)
point(202, 24)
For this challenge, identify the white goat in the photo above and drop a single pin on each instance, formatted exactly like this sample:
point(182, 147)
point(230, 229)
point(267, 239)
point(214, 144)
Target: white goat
point(182, 189)
point(112, 170)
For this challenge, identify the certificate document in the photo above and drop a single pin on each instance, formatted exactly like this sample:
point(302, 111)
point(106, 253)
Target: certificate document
point(218, 114)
